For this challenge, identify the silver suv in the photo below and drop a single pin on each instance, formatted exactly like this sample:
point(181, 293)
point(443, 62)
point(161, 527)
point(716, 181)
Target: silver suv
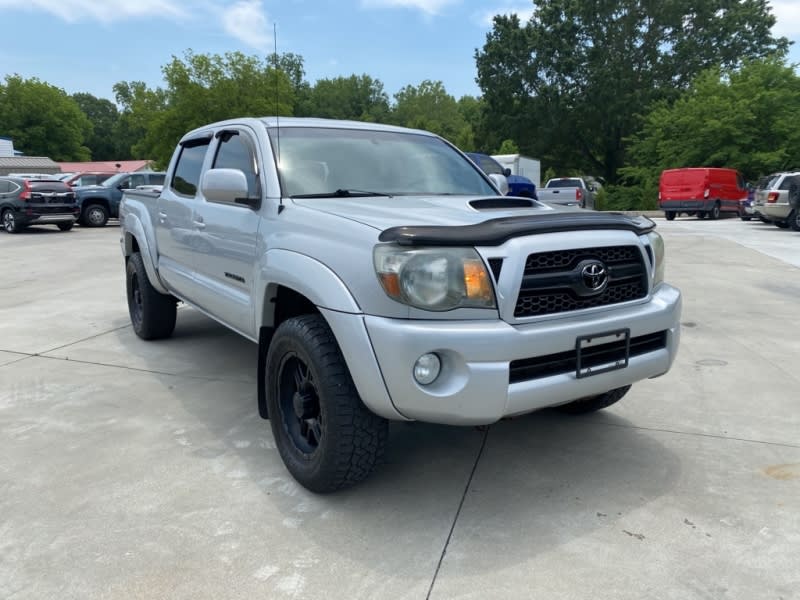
point(772, 202)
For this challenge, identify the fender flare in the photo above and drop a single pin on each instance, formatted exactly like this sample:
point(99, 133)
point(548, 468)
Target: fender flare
point(133, 228)
point(305, 275)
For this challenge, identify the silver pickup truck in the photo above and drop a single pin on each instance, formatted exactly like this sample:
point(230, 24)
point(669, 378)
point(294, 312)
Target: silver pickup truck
point(568, 191)
point(383, 277)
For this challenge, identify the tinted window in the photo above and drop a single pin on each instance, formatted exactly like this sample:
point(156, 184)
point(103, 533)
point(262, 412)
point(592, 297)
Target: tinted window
point(489, 166)
point(187, 172)
point(48, 186)
point(235, 152)
point(561, 183)
point(786, 183)
point(157, 179)
point(5, 186)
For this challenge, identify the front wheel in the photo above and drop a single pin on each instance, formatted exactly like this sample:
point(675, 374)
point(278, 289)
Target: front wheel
point(152, 313)
point(325, 435)
point(593, 403)
point(95, 215)
point(10, 223)
point(670, 215)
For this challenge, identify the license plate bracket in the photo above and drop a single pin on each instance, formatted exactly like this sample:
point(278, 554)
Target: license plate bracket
point(602, 352)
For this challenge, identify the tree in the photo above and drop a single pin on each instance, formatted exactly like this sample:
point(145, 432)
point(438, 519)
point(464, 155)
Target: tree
point(570, 84)
point(103, 115)
point(356, 97)
point(43, 120)
point(744, 119)
point(429, 106)
point(202, 88)
point(508, 147)
point(141, 107)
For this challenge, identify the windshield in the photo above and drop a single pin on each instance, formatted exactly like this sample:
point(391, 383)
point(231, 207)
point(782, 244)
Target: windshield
point(328, 162)
point(113, 180)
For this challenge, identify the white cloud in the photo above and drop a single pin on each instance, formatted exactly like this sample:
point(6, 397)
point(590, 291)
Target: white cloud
point(429, 7)
point(524, 12)
point(246, 21)
point(73, 11)
point(787, 13)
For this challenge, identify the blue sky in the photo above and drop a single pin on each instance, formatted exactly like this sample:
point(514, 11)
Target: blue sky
point(88, 45)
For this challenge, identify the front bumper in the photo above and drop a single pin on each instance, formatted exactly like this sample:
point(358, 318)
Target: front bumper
point(474, 385)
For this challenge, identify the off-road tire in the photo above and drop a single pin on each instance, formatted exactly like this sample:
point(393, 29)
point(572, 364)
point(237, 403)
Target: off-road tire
point(152, 313)
point(594, 403)
point(65, 226)
point(351, 439)
point(670, 215)
point(94, 215)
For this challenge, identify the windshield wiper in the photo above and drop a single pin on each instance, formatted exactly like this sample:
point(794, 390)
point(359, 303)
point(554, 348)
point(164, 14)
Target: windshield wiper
point(343, 193)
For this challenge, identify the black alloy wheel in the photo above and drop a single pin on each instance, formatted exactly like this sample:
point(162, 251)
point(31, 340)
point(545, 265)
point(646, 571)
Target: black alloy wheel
point(298, 397)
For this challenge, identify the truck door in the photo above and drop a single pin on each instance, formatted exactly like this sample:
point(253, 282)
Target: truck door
point(176, 235)
point(227, 236)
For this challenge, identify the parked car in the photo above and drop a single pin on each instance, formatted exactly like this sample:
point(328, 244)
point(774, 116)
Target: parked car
point(701, 191)
point(568, 191)
point(775, 207)
point(98, 203)
point(89, 178)
point(384, 278)
point(518, 185)
point(26, 202)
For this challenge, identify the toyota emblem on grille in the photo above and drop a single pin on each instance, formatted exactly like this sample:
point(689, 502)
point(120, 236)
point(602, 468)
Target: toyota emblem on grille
point(595, 276)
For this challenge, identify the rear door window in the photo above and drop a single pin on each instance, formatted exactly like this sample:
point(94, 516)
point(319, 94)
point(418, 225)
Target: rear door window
point(157, 179)
point(186, 179)
point(5, 186)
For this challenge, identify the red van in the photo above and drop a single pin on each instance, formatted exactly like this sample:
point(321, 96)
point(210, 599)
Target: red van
point(701, 191)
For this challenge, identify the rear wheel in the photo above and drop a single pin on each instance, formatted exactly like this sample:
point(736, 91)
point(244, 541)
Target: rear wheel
point(325, 435)
point(593, 403)
point(66, 226)
point(714, 212)
point(794, 220)
point(745, 218)
point(670, 215)
point(10, 223)
point(152, 313)
point(701, 214)
point(94, 215)
point(781, 224)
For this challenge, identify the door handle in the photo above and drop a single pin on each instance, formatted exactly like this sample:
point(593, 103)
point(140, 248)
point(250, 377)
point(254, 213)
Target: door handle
point(162, 217)
point(198, 223)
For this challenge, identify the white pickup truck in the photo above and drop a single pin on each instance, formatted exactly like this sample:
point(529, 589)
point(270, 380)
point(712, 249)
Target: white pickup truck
point(383, 277)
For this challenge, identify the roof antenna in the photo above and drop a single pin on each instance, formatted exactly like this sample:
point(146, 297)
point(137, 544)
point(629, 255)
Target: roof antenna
point(277, 107)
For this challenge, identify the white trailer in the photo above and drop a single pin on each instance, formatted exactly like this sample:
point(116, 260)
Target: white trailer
point(521, 165)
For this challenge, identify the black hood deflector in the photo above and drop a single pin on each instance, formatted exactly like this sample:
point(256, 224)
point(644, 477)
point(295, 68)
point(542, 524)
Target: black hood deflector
point(495, 232)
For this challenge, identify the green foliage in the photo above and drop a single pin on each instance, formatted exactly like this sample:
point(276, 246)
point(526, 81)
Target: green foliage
point(103, 116)
point(622, 197)
point(141, 107)
point(508, 147)
point(745, 119)
point(429, 106)
point(570, 83)
point(359, 98)
point(43, 120)
point(202, 88)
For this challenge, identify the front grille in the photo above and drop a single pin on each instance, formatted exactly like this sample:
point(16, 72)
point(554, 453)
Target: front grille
point(526, 369)
point(549, 281)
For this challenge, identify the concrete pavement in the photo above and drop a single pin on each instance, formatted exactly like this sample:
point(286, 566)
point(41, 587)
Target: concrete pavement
point(141, 470)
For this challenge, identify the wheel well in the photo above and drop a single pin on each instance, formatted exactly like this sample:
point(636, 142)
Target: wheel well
point(288, 304)
point(100, 201)
point(131, 244)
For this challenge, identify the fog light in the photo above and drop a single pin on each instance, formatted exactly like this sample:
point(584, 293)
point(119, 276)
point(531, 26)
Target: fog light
point(427, 368)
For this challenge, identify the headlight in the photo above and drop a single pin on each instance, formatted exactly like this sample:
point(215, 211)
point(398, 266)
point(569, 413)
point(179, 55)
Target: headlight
point(657, 245)
point(434, 278)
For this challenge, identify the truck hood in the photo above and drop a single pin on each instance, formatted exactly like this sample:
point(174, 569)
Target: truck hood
point(382, 212)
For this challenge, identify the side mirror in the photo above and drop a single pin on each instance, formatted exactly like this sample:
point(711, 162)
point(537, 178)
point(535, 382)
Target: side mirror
point(507, 172)
point(500, 183)
point(225, 185)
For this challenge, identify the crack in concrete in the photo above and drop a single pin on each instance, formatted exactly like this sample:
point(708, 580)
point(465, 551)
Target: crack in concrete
point(458, 512)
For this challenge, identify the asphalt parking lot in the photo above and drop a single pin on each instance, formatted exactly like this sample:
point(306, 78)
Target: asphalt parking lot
point(141, 470)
